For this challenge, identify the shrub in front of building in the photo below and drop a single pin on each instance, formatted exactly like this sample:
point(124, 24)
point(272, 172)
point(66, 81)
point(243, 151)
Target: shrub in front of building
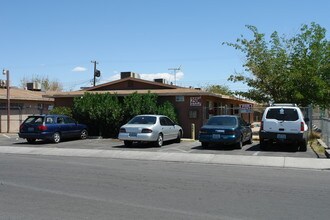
point(61, 111)
point(102, 113)
point(105, 113)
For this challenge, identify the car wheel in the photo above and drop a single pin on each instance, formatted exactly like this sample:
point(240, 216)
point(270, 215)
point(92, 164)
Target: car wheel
point(250, 141)
point(178, 139)
point(56, 137)
point(239, 145)
point(159, 141)
point(31, 140)
point(128, 143)
point(84, 134)
point(303, 146)
point(205, 144)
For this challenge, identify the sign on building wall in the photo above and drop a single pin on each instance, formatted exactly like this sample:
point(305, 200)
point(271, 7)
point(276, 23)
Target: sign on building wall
point(196, 101)
point(245, 108)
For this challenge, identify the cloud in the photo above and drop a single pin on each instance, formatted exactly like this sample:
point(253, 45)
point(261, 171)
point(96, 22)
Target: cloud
point(115, 77)
point(167, 76)
point(79, 69)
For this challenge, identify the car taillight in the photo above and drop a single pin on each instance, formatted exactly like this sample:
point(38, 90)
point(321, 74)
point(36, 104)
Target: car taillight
point(302, 126)
point(21, 127)
point(42, 128)
point(122, 130)
point(230, 132)
point(146, 130)
point(261, 126)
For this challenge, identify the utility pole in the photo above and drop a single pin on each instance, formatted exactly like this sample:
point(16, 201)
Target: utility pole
point(97, 72)
point(6, 72)
point(175, 70)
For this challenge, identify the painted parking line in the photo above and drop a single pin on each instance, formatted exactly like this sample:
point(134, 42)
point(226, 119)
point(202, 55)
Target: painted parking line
point(6, 136)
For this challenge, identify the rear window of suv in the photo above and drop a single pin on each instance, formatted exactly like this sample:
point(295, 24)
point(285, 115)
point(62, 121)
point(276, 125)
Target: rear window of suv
point(282, 114)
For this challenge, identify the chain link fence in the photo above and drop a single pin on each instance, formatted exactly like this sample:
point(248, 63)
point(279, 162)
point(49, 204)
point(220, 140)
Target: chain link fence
point(325, 128)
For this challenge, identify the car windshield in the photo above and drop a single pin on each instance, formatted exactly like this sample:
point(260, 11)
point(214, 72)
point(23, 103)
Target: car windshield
point(34, 120)
point(228, 121)
point(283, 114)
point(143, 120)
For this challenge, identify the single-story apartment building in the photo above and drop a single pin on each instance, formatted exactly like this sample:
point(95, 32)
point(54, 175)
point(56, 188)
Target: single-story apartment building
point(194, 106)
point(23, 102)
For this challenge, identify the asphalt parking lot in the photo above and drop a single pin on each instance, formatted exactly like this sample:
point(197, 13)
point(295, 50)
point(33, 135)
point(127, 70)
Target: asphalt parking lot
point(186, 146)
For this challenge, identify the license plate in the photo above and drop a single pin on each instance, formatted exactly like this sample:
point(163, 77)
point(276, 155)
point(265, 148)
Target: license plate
point(30, 129)
point(281, 136)
point(216, 136)
point(132, 134)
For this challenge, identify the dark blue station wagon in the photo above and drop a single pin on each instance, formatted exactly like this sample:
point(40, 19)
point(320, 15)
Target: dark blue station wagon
point(51, 127)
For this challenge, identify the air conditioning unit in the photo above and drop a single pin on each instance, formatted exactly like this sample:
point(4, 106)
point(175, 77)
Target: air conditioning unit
point(129, 74)
point(161, 80)
point(34, 86)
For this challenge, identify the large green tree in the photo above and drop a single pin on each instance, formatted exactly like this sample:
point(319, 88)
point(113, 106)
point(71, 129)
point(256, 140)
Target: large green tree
point(285, 69)
point(219, 89)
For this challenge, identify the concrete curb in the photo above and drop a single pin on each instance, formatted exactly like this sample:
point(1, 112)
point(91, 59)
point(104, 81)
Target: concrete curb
point(327, 153)
point(326, 148)
point(280, 162)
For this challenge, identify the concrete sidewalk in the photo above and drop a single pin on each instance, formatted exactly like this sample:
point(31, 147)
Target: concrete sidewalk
point(281, 162)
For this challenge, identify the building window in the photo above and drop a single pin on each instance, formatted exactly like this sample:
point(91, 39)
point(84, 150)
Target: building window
point(12, 105)
point(193, 114)
point(179, 98)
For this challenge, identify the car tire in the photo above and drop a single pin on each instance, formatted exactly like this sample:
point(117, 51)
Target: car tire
point(128, 143)
point(31, 140)
point(239, 145)
point(56, 137)
point(250, 141)
point(303, 146)
point(178, 139)
point(205, 144)
point(84, 134)
point(159, 141)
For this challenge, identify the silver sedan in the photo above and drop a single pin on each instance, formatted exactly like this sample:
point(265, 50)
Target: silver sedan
point(150, 128)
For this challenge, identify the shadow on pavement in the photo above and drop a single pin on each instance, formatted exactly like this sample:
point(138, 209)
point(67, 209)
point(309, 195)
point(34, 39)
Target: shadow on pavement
point(214, 146)
point(141, 145)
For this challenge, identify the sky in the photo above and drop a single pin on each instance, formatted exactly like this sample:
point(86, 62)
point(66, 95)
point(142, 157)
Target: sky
point(58, 39)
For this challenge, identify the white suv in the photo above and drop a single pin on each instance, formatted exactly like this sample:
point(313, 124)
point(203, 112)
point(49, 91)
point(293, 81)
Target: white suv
point(283, 123)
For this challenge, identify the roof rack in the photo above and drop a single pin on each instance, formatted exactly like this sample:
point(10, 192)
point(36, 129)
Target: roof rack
point(284, 104)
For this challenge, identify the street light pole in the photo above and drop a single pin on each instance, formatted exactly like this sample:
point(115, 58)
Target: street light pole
point(6, 72)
